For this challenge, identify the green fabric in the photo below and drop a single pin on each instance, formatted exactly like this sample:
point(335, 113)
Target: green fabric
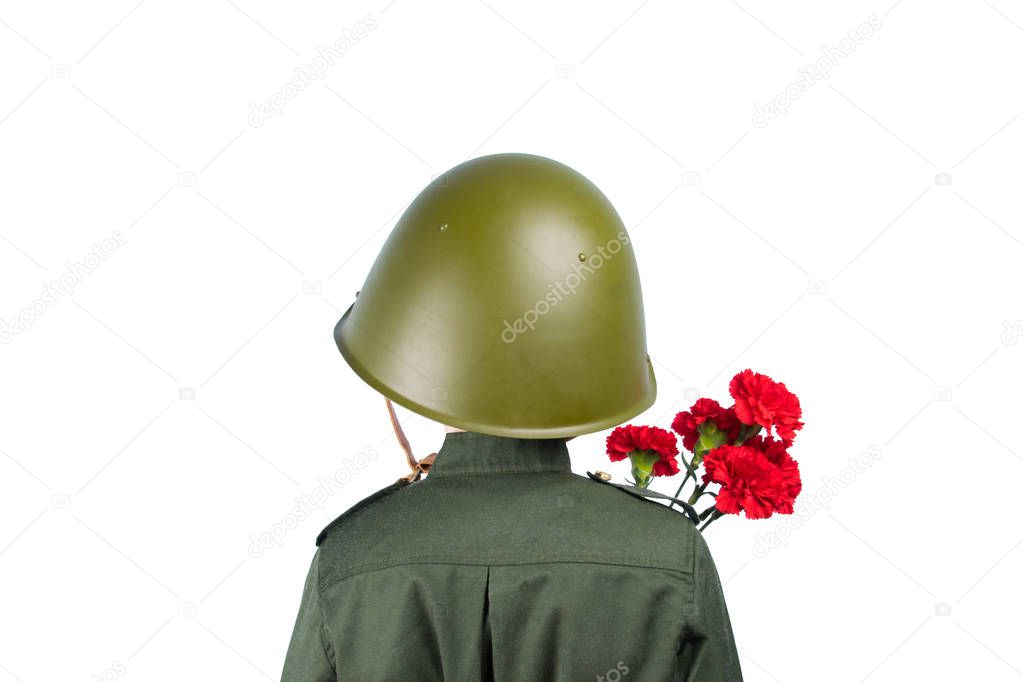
point(504, 565)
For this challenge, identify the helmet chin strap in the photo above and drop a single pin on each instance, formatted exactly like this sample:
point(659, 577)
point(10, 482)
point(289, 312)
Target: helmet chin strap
point(418, 467)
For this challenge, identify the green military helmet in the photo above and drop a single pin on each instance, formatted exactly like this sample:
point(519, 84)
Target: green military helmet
point(506, 301)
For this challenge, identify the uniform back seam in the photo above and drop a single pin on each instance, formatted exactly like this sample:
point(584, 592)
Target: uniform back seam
point(491, 564)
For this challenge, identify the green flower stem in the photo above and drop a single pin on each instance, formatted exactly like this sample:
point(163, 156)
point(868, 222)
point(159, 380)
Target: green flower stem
point(714, 516)
point(696, 493)
point(679, 491)
point(690, 472)
point(707, 512)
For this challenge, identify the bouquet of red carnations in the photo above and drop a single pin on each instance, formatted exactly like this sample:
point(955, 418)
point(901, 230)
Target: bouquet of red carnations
point(742, 449)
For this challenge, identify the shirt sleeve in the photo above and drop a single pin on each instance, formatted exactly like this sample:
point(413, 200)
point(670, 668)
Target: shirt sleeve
point(708, 653)
point(310, 655)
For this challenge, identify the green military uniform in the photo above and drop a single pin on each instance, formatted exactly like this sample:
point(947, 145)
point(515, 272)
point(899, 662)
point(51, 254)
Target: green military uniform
point(504, 565)
point(506, 302)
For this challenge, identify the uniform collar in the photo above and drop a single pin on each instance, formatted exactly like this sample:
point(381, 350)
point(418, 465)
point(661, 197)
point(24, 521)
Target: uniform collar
point(477, 453)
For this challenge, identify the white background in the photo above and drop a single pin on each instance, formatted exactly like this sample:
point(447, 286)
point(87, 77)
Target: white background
point(826, 248)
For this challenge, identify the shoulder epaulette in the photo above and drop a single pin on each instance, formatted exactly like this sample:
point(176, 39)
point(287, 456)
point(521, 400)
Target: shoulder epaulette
point(383, 492)
point(644, 493)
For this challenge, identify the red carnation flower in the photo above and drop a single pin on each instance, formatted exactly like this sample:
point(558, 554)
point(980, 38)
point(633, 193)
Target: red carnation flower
point(686, 424)
point(759, 399)
point(777, 454)
point(760, 479)
point(665, 467)
point(629, 439)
